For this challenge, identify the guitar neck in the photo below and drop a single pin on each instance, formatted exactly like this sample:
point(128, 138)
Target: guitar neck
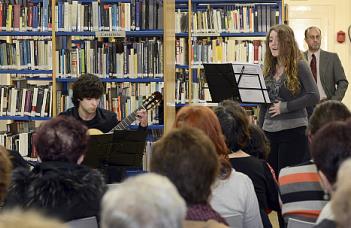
point(124, 124)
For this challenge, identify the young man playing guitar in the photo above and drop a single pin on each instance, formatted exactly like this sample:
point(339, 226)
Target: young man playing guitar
point(87, 91)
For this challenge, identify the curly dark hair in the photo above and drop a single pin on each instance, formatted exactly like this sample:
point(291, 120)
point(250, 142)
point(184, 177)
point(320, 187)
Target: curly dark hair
point(87, 86)
point(188, 158)
point(61, 139)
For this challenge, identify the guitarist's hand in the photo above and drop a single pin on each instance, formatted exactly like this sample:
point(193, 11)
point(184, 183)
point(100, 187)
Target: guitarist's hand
point(142, 117)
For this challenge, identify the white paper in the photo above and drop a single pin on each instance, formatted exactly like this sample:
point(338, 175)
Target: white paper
point(253, 96)
point(251, 83)
point(249, 77)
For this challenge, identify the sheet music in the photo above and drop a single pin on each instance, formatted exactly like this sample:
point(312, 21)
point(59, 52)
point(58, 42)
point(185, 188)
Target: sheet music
point(249, 77)
point(252, 87)
point(254, 96)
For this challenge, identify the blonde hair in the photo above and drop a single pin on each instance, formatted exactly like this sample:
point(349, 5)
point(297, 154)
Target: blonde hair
point(27, 219)
point(289, 55)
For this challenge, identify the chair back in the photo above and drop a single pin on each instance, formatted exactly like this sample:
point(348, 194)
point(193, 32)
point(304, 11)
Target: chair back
point(235, 221)
point(296, 223)
point(89, 222)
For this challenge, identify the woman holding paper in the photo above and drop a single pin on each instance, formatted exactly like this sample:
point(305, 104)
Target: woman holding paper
point(291, 88)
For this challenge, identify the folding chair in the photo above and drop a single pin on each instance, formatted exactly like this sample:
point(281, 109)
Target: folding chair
point(89, 222)
point(296, 223)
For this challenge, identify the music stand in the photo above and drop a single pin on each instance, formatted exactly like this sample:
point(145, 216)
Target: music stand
point(242, 82)
point(113, 154)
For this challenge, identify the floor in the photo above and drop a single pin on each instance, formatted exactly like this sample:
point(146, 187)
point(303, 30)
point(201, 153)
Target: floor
point(274, 220)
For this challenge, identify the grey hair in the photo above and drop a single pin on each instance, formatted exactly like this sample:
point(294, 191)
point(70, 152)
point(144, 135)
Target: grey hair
point(147, 200)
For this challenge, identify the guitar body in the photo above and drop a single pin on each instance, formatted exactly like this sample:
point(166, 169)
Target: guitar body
point(94, 131)
point(148, 104)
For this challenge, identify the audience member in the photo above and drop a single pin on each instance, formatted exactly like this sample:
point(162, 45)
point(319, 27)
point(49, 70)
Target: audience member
point(235, 126)
point(5, 173)
point(258, 145)
point(330, 147)
point(291, 89)
point(188, 158)
point(302, 195)
point(144, 201)
point(27, 219)
point(341, 201)
point(59, 186)
point(233, 192)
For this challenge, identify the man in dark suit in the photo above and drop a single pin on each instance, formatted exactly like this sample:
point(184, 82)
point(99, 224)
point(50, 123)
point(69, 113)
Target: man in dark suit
point(328, 71)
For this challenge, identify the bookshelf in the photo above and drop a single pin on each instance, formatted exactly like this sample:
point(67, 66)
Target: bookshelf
point(66, 25)
point(222, 31)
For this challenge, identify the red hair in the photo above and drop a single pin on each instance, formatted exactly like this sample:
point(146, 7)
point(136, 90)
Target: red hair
point(206, 120)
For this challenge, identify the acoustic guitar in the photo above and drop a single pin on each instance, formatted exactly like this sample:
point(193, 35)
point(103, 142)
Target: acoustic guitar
point(149, 103)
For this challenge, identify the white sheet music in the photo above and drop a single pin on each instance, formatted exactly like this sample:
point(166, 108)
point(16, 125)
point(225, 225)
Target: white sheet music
point(252, 87)
point(249, 77)
point(253, 96)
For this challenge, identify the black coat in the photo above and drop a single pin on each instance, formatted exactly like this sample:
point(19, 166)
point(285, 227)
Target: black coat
point(59, 189)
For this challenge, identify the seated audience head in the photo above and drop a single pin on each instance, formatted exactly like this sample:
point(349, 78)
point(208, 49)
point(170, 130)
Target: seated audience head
point(188, 158)
point(5, 172)
point(206, 120)
point(234, 123)
point(61, 139)
point(87, 86)
point(341, 200)
point(258, 145)
point(331, 146)
point(144, 201)
point(326, 112)
point(27, 219)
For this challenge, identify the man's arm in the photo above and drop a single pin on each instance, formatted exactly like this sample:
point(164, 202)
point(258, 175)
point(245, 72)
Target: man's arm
point(339, 79)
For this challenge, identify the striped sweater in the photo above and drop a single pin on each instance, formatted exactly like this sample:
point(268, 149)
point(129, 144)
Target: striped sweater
point(301, 191)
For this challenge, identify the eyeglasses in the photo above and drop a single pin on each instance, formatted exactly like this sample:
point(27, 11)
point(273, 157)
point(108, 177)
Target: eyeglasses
point(318, 37)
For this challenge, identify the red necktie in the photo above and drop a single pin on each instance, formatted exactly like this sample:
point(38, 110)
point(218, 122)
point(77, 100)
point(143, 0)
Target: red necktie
point(313, 66)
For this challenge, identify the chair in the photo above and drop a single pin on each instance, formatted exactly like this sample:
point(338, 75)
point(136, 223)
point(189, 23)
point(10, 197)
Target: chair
point(89, 222)
point(296, 223)
point(235, 221)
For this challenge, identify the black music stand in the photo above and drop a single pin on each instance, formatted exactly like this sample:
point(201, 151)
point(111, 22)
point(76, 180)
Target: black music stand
point(113, 154)
point(240, 82)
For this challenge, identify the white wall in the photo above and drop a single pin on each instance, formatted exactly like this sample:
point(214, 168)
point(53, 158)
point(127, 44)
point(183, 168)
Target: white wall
point(332, 16)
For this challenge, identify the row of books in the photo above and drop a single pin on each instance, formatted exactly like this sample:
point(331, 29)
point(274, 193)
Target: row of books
point(136, 15)
point(26, 54)
point(231, 19)
point(33, 101)
point(21, 142)
point(77, 16)
point(30, 17)
point(122, 98)
point(143, 58)
point(200, 92)
point(220, 50)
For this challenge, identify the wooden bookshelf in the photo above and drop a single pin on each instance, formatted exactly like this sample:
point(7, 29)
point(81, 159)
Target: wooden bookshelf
point(207, 28)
